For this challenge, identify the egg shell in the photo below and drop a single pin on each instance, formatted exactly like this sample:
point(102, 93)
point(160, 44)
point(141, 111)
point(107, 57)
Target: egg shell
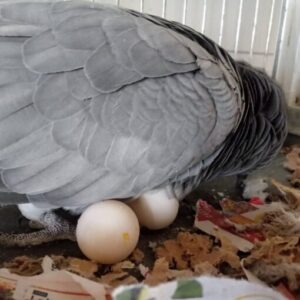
point(156, 209)
point(108, 231)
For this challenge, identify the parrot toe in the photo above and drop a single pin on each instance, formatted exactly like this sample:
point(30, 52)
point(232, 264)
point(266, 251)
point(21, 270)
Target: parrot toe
point(54, 228)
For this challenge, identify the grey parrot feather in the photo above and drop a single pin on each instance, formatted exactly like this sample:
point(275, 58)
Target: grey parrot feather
point(54, 100)
point(26, 154)
point(108, 103)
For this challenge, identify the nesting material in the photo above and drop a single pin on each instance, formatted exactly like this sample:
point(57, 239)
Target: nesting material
point(293, 164)
point(192, 250)
point(268, 235)
point(255, 187)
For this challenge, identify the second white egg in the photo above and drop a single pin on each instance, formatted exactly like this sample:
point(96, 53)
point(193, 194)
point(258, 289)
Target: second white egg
point(155, 209)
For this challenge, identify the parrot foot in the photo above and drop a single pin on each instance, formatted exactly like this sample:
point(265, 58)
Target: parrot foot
point(55, 228)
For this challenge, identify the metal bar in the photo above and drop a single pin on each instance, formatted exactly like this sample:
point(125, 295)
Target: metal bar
point(204, 16)
point(141, 6)
point(270, 26)
point(118, 2)
point(254, 52)
point(222, 22)
point(282, 25)
point(238, 30)
point(184, 11)
point(164, 8)
point(254, 28)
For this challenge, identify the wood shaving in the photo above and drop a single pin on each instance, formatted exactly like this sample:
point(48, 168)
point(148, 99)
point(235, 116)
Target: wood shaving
point(276, 258)
point(276, 250)
point(293, 164)
point(273, 273)
point(121, 266)
point(117, 279)
point(282, 223)
point(291, 195)
point(191, 250)
point(25, 266)
point(82, 267)
point(295, 178)
point(137, 256)
point(143, 270)
point(161, 273)
point(152, 245)
point(205, 268)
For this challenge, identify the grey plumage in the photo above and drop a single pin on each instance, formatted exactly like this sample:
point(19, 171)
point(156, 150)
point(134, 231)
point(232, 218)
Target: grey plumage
point(99, 102)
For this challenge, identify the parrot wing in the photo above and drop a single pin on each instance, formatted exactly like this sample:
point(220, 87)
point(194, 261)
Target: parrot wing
point(99, 102)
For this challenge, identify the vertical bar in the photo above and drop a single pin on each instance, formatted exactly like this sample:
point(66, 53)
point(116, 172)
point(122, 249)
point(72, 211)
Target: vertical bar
point(141, 6)
point(222, 22)
point(269, 34)
point(238, 30)
point(164, 8)
point(282, 26)
point(184, 11)
point(254, 28)
point(204, 16)
point(118, 2)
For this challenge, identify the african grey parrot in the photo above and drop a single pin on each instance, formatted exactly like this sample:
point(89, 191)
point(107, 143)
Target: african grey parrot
point(99, 102)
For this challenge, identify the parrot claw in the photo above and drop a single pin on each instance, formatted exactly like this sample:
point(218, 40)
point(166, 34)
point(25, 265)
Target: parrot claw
point(55, 228)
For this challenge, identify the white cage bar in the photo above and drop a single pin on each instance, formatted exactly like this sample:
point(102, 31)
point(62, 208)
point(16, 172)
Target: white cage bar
point(246, 41)
point(257, 31)
point(263, 32)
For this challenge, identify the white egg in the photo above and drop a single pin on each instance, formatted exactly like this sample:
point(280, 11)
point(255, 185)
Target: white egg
point(155, 209)
point(108, 231)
